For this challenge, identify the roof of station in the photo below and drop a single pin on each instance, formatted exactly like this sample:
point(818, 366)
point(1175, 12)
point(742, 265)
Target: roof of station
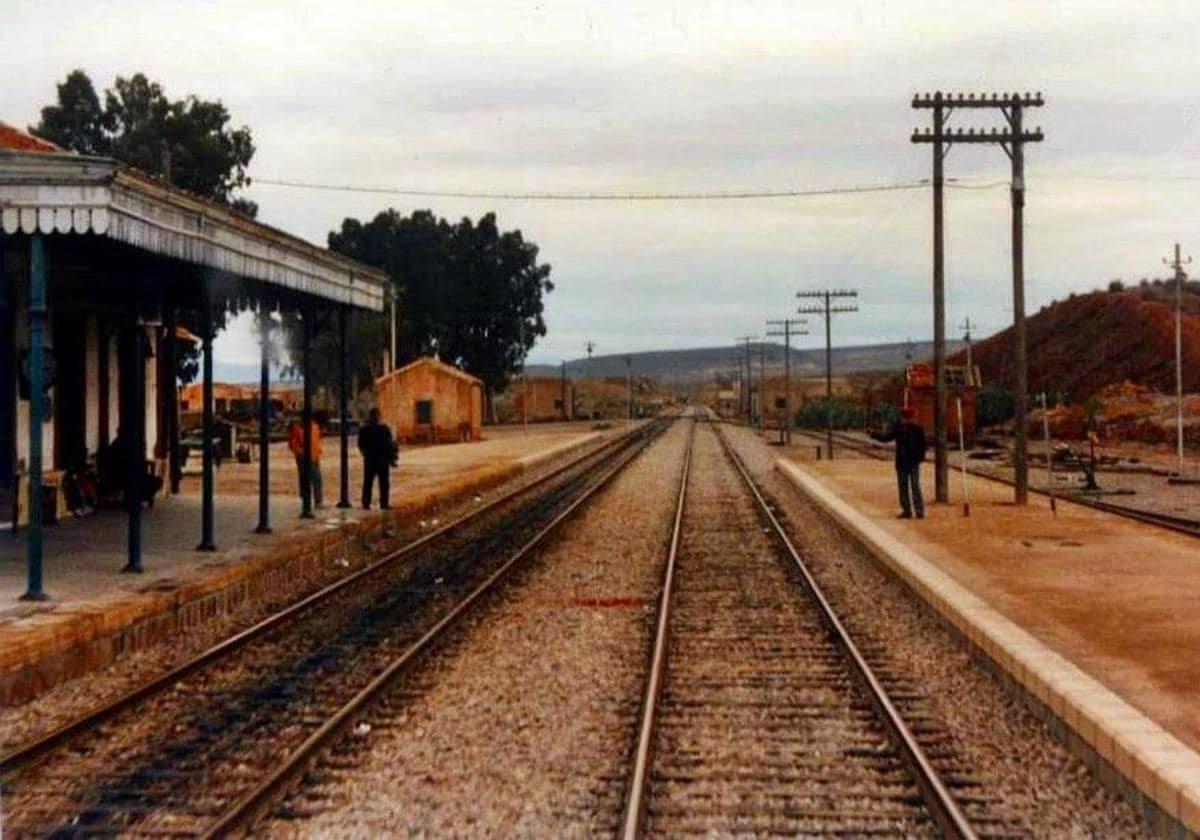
point(60, 192)
point(438, 366)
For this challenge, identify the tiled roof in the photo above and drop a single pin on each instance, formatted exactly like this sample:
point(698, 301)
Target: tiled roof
point(14, 138)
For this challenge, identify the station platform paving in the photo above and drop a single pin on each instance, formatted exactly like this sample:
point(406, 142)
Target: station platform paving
point(1093, 615)
point(96, 613)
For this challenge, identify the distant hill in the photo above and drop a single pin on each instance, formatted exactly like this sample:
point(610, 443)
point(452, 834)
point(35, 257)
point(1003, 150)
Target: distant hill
point(704, 363)
point(1082, 344)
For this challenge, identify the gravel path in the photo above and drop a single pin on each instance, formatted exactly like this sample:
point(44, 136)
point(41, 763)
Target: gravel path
point(1010, 752)
point(523, 723)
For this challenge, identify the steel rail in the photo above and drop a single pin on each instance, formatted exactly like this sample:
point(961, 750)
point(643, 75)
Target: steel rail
point(251, 807)
point(32, 751)
point(942, 805)
point(1178, 524)
point(635, 799)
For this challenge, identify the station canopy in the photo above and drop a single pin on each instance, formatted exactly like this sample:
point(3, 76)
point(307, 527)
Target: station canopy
point(65, 193)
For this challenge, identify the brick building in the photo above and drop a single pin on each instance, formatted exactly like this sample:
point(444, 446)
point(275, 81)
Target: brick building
point(543, 398)
point(429, 401)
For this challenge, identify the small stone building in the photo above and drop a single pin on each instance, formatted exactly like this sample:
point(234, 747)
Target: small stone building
point(543, 398)
point(429, 401)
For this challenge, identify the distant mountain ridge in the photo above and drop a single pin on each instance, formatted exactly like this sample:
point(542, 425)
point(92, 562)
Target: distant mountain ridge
point(705, 363)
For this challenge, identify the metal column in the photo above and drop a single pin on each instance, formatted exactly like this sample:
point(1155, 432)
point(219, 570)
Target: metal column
point(207, 539)
point(133, 381)
point(37, 324)
point(170, 393)
point(344, 407)
point(306, 489)
point(264, 423)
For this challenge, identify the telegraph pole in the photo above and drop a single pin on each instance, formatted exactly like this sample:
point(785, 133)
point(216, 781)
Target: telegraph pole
point(787, 324)
point(745, 341)
point(762, 381)
point(1012, 140)
point(828, 310)
point(1178, 263)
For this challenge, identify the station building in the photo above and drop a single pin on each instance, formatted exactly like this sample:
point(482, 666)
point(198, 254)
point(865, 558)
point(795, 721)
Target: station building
point(543, 398)
point(97, 262)
point(429, 401)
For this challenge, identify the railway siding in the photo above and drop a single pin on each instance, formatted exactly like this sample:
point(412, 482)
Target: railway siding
point(1127, 748)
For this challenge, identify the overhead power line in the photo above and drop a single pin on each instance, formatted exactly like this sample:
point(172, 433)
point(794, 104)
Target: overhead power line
point(732, 195)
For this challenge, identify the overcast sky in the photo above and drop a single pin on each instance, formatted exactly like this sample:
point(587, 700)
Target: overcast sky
point(688, 96)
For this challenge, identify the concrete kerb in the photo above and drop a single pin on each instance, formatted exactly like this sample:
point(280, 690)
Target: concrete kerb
point(73, 642)
point(1132, 753)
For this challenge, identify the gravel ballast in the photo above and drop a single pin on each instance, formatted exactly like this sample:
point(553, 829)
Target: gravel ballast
point(523, 723)
point(1011, 752)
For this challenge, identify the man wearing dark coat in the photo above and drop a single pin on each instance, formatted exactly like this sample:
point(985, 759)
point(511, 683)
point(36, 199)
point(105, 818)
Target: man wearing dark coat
point(910, 452)
point(379, 456)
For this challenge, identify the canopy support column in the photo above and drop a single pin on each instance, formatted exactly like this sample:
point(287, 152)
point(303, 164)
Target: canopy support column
point(306, 488)
point(133, 423)
point(344, 405)
point(207, 538)
point(264, 423)
point(170, 394)
point(37, 325)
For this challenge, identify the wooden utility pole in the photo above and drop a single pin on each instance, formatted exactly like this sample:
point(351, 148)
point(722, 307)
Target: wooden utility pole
point(1012, 140)
point(749, 400)
point(828, 310)
point(1178, 263)
point(787, 334)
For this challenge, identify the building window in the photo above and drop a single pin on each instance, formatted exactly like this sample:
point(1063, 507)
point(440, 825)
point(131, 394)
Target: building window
point(424, 412)
point(558, 404)
point(780, 402)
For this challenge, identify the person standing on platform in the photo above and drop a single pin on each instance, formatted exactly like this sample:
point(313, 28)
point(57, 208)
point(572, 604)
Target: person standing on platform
point(379, 454)
point(910, 452)
point(296, 445)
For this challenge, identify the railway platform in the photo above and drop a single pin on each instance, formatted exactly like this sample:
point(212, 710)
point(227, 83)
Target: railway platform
point(97, 613)
point(1090, 614)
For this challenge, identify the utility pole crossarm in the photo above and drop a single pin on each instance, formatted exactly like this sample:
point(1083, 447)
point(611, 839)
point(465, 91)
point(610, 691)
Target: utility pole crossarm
point(963, 135)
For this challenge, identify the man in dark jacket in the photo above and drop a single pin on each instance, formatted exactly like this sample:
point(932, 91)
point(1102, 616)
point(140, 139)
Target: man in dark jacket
point(379, 456)
point(910, 452)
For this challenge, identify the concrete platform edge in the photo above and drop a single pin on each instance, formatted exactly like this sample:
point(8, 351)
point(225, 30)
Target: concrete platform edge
point(86, 640)
point(1143, 760)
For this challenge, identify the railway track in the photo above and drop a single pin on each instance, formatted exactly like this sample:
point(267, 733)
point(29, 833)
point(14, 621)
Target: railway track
point(760, 714)
point(208, 748)
point(1178, 524)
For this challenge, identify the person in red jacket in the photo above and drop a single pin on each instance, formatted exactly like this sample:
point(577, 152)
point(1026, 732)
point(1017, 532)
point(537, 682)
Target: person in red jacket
point(296, 445)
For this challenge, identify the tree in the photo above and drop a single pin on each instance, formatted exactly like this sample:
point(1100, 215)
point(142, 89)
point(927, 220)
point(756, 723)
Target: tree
point(187, 142)
point(77, 121)
point(467, 292)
